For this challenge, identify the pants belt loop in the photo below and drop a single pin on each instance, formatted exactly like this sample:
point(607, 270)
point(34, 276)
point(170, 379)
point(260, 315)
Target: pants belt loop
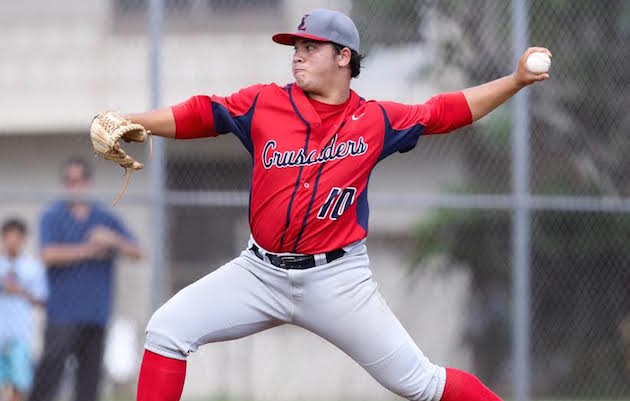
point(258, 252)
point(320, 259)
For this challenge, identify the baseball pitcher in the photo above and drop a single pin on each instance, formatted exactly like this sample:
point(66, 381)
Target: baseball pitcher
point(313, 143)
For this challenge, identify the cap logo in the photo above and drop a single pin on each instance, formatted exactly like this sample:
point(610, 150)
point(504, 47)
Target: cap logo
point(302, 26)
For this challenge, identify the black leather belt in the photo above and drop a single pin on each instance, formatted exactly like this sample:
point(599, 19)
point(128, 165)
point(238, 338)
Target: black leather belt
point(299, 262)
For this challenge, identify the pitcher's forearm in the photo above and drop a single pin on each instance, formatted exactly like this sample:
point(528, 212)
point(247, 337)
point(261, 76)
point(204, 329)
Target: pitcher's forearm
point(160, 122)
point(484, 98)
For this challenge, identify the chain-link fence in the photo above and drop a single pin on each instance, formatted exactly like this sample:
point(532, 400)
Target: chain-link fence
point(442, 216)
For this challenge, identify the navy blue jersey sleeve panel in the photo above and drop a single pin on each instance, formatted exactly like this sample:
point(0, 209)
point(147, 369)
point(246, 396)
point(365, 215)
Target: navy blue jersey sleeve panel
point(401, 140)
point(241, 126)
point(363, 208)
point(208, 116)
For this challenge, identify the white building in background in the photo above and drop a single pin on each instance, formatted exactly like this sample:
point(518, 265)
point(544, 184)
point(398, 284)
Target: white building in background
point(63, 61)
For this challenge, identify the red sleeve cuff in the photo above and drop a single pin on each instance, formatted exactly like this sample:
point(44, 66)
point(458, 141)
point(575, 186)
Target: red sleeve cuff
point(193, 118)
point(457, 109)
point(451, 112)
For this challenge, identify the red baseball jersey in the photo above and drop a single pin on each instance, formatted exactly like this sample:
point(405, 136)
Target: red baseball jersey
point(310, 180)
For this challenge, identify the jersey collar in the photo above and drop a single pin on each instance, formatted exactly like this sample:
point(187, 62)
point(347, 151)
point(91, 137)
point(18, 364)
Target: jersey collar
point(308, 111)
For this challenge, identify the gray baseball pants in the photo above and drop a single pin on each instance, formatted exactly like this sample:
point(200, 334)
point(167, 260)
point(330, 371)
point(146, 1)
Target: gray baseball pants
point(338, 301)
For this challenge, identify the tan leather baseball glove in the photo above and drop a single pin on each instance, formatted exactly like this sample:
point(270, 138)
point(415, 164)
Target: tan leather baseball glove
point(106, 131)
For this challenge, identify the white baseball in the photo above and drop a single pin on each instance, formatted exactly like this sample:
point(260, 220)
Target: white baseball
point(538, 62)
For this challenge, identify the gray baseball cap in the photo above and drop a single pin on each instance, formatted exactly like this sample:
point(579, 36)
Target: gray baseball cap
point(323, 25)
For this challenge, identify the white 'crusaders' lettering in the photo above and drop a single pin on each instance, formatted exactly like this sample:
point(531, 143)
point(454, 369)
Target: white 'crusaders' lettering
point(292, 158)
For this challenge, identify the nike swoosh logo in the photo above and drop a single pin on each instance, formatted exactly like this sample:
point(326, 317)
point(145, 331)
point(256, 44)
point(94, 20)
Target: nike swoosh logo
point(355, 118)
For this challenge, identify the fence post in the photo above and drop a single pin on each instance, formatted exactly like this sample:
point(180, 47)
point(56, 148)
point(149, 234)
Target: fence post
point(521, 215)
point(158, 165)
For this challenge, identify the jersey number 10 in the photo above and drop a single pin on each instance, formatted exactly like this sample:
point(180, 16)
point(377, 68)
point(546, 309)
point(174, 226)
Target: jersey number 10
point(337, 202)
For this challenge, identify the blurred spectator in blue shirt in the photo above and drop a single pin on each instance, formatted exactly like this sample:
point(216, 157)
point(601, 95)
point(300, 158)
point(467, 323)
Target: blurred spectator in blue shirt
point(80, 241)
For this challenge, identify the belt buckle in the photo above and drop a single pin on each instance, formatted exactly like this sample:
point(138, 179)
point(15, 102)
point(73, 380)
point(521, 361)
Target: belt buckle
point(284, 260)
